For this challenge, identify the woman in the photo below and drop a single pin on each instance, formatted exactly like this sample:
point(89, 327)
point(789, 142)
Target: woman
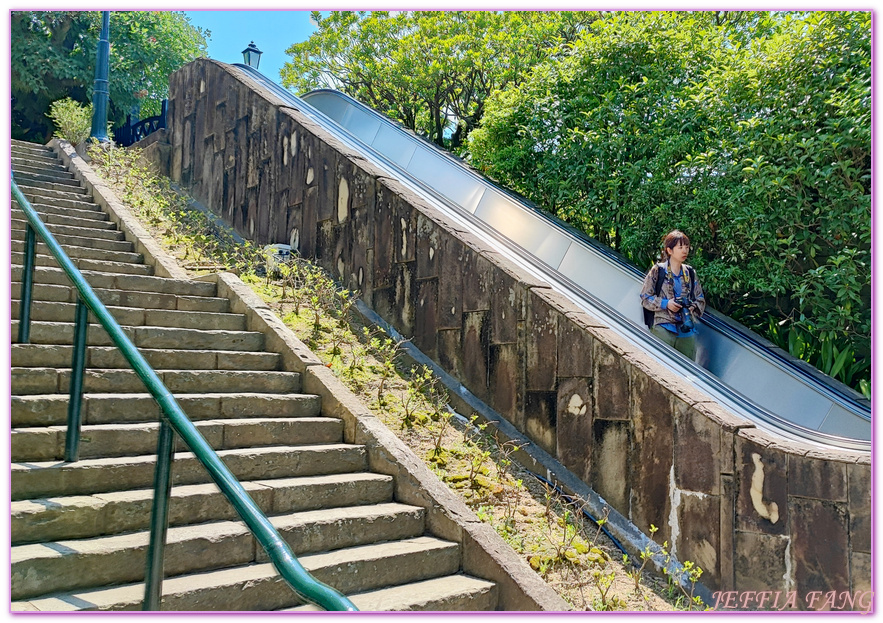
point(661, 289)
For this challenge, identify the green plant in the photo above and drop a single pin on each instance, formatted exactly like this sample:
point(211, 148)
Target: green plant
point(687, 573)
point(188, 230)
point(647, 554)
point(386, 350)
point(73, 121)
point(832, 353)
point(752, 133)
point(53, 56)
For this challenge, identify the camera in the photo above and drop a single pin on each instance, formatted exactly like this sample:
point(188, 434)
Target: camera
point(685, 323)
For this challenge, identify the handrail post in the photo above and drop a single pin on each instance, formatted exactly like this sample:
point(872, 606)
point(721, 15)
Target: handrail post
point(78, 372)
point(159, 516)
point(27, 286)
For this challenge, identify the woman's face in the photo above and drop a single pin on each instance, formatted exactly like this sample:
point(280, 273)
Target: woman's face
point(679, 252)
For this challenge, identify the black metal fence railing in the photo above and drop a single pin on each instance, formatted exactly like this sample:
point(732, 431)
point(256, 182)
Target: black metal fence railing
point(131, 133)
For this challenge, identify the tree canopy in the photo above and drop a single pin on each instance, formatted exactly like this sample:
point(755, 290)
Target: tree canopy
point(53, 56)
point(751, 132)
point(430, 70)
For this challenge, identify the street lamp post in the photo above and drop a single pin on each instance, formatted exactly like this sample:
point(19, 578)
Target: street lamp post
point(99, 92)
point(252, 56)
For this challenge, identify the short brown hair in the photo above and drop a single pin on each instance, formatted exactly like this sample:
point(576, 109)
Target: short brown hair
point(673, 239)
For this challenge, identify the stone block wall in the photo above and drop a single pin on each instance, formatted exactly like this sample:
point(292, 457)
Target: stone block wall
point(756, 512)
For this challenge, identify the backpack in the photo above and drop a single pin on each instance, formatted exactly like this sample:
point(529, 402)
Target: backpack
point(660, 277)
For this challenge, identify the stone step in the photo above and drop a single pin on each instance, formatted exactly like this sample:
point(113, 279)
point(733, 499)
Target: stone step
point(86, 516)
point(89, 211)
point(18, 144)
point(51, 409)
point(116, 440)
point(449, 593)
point(25, 166)
point(43, 189)
point(46, 180)
point(127, 298)
point(19, 224)
point(29, 154)
point(93, 220)
point(138, 317)
point(55, 356)
point(75, 203)
point(40, 479)
point(80, 216)
point(140, 283)
point(124, 268)
point(85, 563)
point(18, 246)
point(258, 586)
point(62, 333)
point(81, 241)
point(30, 381)
point(40, 193)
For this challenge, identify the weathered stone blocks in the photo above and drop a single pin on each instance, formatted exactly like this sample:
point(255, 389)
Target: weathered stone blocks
point(610, 461)
point(697, 451)
point(611, 383)
point(701, 513)
point(859, 476)
point(426, 317)
point(819, 545)
point(651, 455)
point(541, 343)
point(606, 410)
point(506, 382)
point(574, 425)
point(760, 562)
point(762, 505)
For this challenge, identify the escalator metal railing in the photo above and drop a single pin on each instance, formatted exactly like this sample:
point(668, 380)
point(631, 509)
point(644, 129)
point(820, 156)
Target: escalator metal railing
point(737, 367)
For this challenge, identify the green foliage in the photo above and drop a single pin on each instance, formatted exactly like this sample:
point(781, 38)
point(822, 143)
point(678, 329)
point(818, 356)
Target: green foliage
point(53, 56)
point(430, 70)
point(73, 122)
point(203, 244)
point(751, 132)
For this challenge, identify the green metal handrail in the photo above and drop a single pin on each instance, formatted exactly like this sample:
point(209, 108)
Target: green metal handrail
point(174, 420)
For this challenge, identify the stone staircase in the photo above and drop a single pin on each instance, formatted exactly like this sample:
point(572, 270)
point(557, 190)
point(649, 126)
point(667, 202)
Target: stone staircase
point(80, 530)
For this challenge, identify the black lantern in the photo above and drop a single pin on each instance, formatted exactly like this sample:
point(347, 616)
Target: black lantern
point(252, 56)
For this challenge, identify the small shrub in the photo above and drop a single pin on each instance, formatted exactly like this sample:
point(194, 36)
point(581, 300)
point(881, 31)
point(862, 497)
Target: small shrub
point(73, 121)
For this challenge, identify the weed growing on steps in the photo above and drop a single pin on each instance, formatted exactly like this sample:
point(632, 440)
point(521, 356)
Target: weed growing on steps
point(552, 534)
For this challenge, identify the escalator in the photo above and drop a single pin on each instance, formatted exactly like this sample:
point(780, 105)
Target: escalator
point(742, 371)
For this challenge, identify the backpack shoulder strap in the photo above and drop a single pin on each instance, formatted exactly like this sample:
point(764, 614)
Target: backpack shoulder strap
point(692, 274)
point(660, 277)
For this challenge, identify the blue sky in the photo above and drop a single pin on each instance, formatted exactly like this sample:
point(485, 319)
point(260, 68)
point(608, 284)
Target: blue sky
point(271, 31)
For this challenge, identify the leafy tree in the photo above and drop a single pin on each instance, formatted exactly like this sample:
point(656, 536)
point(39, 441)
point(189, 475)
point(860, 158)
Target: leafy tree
point(53, 56)
point(750, 132)
point(430, 70)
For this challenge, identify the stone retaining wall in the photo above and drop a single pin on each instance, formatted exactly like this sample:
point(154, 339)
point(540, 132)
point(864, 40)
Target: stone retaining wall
point(756, 512)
